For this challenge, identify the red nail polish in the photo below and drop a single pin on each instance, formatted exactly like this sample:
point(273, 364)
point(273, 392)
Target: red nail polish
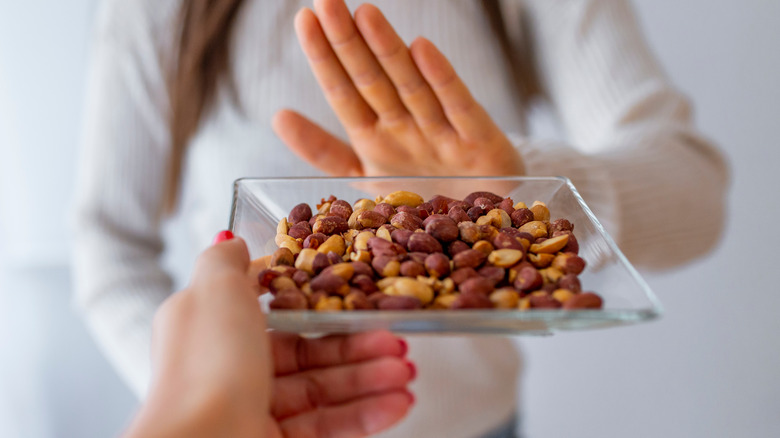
point(412, 370)
point(222, 236)
point(404, 346)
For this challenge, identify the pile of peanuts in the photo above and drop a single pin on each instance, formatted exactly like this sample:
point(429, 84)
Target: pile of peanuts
point(400, 252)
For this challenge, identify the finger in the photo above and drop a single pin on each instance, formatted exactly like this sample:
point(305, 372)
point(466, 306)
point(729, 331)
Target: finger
point(358, 418)
point(315, 145)
point(465, 114)
point(301, 392)
point(395, 59)
point(338, 88)
point(293, 353)
point(358, 60)
point(227, 256)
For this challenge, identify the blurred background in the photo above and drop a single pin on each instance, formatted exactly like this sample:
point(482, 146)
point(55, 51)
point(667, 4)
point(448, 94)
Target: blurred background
point(708, 368)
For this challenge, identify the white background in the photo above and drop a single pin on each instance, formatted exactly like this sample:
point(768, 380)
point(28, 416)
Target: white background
point(710, 367)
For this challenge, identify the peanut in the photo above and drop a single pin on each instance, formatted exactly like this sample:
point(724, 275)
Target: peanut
point(293, 245)
point(534, 228)
point(585, 300)
point(386, 266)
point(371, 219)
point(562, 295)
point(313, 241)
point(411, 287)
point(423, 242)
point(550, 246)
point(305, 260)
point(471, 258)
point(329, 304)
point(437, 265)
point(335, 243)
point(401, 237)
point(340, 208)
point(360, 256)
point(444, 301)
point(384, 232)
point(505, 258)
point(361, 241)
point(330, 283)
point(471, 301)
point(476, 285)
point(504, 240)
point(330, 225)
point(299, 213)
point(443, 229)
point(385, 209)
point(410, 268)
point(484, 247)
point(357, 300)
point(406, 221)
point(343, 270)
point(540, 211)
point(282, 256)
point(364, 204)
point(403, 197)
point(289, 299)
point(398, 302)
point(499, 218)
point(569, 263)
point(469, 232)
point(505, 298)
point(493, 273)
point(541, 260)
point(301, 230)
point(364, 283)
point(489, 195)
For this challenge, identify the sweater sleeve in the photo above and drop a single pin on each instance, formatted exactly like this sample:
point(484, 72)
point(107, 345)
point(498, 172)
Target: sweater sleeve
point(119, 280)
point(656, 184)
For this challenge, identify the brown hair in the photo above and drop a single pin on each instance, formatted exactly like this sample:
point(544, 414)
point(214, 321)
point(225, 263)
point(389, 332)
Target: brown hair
point(203, 61)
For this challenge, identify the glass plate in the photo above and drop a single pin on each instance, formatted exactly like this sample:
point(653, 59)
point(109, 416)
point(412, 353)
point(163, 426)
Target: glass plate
point(259, 204)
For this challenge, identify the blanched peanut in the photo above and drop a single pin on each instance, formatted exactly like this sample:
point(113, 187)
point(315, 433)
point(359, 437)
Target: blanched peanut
point(505, 258)
point(305, 260)
point(444, 301)
point(505, 298)
point(335, 243)
point(364, 204)
point(411, 287)
point(562, 295)
point(329, 304)
point(534, 228)
point(403, 197)
point(550, 246)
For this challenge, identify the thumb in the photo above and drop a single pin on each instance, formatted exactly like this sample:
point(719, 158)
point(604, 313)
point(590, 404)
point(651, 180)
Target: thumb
point(228, 253)
point(315, 145)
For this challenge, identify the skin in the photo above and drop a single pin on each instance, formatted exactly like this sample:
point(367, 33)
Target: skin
point(218, 372)
point(405, 109)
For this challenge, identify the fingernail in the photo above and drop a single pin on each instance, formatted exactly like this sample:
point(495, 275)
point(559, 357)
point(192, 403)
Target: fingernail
point(404, 346)
point(222, 236)
point(412, 370)
point(411, 397)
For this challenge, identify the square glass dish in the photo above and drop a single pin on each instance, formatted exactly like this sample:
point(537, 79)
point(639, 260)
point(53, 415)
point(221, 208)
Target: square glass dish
point(259, 204)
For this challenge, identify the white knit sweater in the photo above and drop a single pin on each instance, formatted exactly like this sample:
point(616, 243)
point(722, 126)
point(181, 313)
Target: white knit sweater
point(630, 149)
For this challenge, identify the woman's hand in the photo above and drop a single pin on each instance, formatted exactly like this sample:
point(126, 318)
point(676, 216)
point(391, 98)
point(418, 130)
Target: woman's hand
point(218, 372)
point(405, 109)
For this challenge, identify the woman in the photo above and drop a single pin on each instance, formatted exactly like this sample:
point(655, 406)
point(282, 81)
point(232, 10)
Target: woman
point(182, 98)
